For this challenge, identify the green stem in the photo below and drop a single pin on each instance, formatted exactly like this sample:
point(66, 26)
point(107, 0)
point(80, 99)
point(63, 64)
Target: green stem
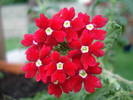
point(118, 77)
point(93, 8)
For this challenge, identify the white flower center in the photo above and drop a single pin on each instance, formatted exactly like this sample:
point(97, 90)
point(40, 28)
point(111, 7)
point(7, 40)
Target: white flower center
point(67, 24)
point(38, 63)
point(84, 49)
point(49, 31)
point(34, 42)
point(89, 26)
point(59, 65)
point(56, 82)
point(82, 73)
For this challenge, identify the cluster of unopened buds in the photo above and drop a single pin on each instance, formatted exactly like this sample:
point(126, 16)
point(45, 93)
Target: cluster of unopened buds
point(63, 51)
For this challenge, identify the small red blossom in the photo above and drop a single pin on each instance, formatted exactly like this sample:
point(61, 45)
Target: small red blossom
point(36, 69)
point(51, 29)
point(70, 24)
point(60, 68)
point(92, 27)
point(86, 49)
point(62, 52)
point(38, 58)
point(90, 82)
point(57, 89)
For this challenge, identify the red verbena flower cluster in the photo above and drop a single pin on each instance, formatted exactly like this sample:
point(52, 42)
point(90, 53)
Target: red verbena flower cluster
point(63, 51)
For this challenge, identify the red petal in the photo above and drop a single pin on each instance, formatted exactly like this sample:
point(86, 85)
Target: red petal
point(42, 21)
point(46, 60)
point(39, 36)
point(77, 61)
point(96, 49)
point(88, 60)
point(73, 53)
point(77, 83)
point(70, 68)
point(58, 75)
point(54, 89)
point(30, 74)
point(44, 78)
point(75, 44)
point(71, 35)
point(95, 70)
point(43, 75)
point(84, 17)
point(75, 24)
point(30, 70)
point(45, 51)
point(28, 39)
point(65, 13)
point(85, 38)
point(59, 36)
point(29, 67)
point(51, 41)
point(99, 21)
point(66, 86)
point(55, 56)
point(71, 13)
point(56, 23)
point(92, 82)
point(99, 34)
point(64, 59)
point(32, 53)
point(51, 68)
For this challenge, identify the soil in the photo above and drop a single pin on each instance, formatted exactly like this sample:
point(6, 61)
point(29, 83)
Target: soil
point(16, 86)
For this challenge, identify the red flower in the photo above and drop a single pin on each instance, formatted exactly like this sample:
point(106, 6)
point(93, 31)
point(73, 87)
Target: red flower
point(51, 29)
point(57, 88)
point(70, 24)
point(90, 82)
point(36, 69)
point(85, 48)
point(87, 77)
point(60, 68)
point(90, 27)
point(39, 60)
